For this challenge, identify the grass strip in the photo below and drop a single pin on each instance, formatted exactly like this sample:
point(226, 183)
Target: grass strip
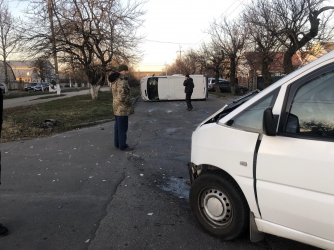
point(18, 94)
point(28, 122)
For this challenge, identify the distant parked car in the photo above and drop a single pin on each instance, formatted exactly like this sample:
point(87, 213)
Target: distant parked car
point(225, 86)
point(38, 87)
point(30, 86)
point(41, 87)
point(212, 83)
point(241, 89)
point(45, 86)
point(2, 87)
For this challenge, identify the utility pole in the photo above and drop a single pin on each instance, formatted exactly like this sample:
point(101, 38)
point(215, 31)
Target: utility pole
point(180, 51)
point(50, 10)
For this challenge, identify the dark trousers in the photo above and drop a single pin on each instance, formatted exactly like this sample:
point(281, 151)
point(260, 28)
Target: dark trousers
point(120, 130)
point(188, 100)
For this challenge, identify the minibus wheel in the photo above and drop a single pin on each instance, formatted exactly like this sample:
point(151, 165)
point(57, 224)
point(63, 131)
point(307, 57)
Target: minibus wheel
point(219, 206)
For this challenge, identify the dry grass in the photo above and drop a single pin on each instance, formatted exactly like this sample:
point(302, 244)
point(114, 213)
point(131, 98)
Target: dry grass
point(27, 122)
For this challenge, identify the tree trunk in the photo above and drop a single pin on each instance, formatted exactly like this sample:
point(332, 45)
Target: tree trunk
point(232, 76)
point(217, 81)
point(267, 81)
point(287, 61)
point(4, 55)
point(94, 91)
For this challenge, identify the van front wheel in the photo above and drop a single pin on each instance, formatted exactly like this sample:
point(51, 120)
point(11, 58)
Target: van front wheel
point(219, 206)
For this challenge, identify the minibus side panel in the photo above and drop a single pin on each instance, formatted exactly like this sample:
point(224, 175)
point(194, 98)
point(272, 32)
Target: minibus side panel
point(163, 89)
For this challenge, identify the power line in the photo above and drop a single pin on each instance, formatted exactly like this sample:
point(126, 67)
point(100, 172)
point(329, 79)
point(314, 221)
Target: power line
point(153, 41)
point(240, 2)
point(200, 41)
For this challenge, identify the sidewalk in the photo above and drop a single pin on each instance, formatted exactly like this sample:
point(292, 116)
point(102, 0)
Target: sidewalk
point(34, 99)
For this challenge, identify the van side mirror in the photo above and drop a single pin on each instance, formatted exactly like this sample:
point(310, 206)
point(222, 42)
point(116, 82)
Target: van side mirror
point(292, 126)
point(269, 126)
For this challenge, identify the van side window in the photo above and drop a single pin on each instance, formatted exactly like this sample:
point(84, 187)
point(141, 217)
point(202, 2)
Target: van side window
point(312, 109)
point(251, 118)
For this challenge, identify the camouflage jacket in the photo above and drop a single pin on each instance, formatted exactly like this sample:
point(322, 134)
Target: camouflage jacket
point(121, 97)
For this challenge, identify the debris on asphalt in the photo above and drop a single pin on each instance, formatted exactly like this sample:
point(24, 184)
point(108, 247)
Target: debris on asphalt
point(48, 124)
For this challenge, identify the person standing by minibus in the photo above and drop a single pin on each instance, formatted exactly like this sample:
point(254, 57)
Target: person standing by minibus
point(122, 106)
point(189, 87)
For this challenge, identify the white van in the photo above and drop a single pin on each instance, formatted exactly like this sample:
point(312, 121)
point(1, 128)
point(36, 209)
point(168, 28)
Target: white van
point(158, 88)
point(266, 161)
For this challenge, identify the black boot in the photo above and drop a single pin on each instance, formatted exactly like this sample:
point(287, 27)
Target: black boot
point(3, 230)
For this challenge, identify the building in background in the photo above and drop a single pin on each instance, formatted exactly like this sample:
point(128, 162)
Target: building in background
point(28, 71)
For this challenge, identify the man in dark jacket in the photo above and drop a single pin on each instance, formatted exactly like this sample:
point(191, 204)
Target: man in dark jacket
point(3, 230)
point(189, 86)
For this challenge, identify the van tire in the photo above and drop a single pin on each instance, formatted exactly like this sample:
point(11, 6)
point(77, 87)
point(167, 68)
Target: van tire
point(219, 206)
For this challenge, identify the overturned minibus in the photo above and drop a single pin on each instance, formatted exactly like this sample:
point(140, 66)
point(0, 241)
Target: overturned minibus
point(162, 88)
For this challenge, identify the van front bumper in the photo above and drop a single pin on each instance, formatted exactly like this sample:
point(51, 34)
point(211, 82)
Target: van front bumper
point(195, 170)
point(192, 169)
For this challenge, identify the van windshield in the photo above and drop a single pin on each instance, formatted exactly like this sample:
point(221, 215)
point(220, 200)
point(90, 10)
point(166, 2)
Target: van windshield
point(233, 105)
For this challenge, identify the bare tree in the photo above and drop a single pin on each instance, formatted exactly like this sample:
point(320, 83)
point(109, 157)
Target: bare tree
point(94, 35)
point(9, 37)
point(188, 64)
point(260, 20)
point(43, 68)
point(299, 23)
point(211, 58)
point(230, 37)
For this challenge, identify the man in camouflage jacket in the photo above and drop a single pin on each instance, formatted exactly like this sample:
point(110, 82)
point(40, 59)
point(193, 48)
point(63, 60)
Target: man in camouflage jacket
point(122, 106)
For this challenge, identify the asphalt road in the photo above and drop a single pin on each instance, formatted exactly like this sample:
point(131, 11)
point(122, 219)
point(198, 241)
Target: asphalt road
point(76, 191)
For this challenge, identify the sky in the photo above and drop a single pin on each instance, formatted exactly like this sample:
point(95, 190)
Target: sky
point(172, 27)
